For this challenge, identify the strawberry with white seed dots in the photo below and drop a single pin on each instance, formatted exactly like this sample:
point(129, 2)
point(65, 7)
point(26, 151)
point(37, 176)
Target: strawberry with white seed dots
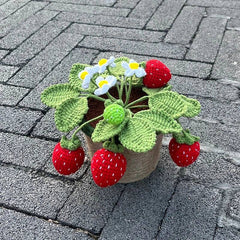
point(107, 167)
point(157, 74)
point(184, 149)
point(67, 161)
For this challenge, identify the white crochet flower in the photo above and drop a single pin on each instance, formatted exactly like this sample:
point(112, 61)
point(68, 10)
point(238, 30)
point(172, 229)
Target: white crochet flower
point(104, 84)
point(103, 63)
point(133, 68)
point(87, 74)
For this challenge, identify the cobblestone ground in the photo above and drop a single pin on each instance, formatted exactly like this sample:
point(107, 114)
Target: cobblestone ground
point(199, 40)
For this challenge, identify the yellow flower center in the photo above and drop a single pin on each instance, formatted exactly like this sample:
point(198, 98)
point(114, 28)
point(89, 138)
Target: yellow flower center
point(134, 65)
point(83, 74)
point(101, 83)
point(102, 61)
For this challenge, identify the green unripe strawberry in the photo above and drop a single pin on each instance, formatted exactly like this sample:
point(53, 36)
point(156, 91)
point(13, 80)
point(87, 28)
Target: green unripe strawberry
point(114, 114)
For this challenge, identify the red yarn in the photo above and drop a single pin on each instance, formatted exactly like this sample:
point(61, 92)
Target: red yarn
point(157, 74)
point(182, 154)
point(66, 161)
point(107, 167)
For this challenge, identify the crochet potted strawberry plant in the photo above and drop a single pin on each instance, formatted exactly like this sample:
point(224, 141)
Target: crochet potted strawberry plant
point(123, 107)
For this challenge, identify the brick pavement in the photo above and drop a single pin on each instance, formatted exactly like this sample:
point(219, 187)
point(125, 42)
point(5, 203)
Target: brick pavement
point(199, 40)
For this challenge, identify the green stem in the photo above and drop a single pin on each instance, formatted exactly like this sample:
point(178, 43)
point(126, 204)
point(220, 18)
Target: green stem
point(121, 88)
point(140, 106)
point(128, 93)
point(111, 97)
point(84, 124)
point(136, 101)
point(118, 89)
point(97, 97)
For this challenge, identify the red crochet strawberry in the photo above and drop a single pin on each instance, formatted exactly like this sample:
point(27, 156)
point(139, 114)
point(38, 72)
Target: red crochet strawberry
point(157, 74)
point(184, 154)
point(67, 161)
point(107, 167)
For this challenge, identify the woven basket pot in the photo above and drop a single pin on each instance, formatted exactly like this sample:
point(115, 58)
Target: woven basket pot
point(139, 165)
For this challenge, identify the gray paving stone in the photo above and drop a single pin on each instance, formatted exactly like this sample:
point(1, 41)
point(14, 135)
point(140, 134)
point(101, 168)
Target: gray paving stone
point(7, 72)
point(32, 73)
point(35, 43)
point(17, 119)
point(213, 110)
point(145, 9)
point(103, 20)
point(214, 170)
point(58, 75)
point(142, 205)
point(11, 95)
point(27, 28)
point(163, 18)
point(215, 3)
point(204, 88)
point(10, 7)
point(25, 151)
point(234, 24)
point(114, 32)
point(46, 127)
point(3, 53)
point(227, 62)
point(127, 46)
point(90, 206)
point(225, 12)
point(226, 234)
point(208, 39)
point(19, 16)
point(192, 213)
point(185, 26)
point(15, 225)
point(126, 3)
point(234, 209)
point(88, 9)
point(43, 196)
point(215, 134)
point(178, 67)
point(87, 2)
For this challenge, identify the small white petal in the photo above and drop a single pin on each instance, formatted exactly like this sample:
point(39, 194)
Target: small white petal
point(111, 80)
point(102, 68)
point(140, 72)
point(99, 79)
point(129, 73)
point(113, 64)
point(132, 61)
point(100, 91)
point(125, 65)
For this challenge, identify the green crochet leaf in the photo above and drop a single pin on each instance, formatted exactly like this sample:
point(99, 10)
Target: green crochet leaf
point(104, 130)
point(169, 102)
point(70, 113)
point(56, 94)
point(138, 136)
point(160, 121)
point(152, 91)
point(76, 81)
point(193, 107)
point(118, 70)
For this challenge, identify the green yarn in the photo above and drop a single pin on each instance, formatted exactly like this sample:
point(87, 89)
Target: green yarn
point(169, 102)
point(113, 147)
point(138, 135)
point(71, 144)
point(185, 137)
point(76, 81)
point(104, 130)
point(114, 114)
point(160, 121)
point(58, 93)
point(118, 70)
point(193, 107)
point(152, 91)
point(70, 113)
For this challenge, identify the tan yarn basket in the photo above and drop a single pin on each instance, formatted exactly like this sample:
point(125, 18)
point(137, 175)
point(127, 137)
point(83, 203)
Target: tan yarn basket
point(139, 165)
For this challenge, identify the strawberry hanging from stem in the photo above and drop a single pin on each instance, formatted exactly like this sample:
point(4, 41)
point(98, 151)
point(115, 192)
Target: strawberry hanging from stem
point(184, 148)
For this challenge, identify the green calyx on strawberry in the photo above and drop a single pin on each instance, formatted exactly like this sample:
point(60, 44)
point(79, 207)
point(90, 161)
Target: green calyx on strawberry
point(68, 156)
point(107, 167)
point(157, 74)
point(114, 114)
point(184, 148)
